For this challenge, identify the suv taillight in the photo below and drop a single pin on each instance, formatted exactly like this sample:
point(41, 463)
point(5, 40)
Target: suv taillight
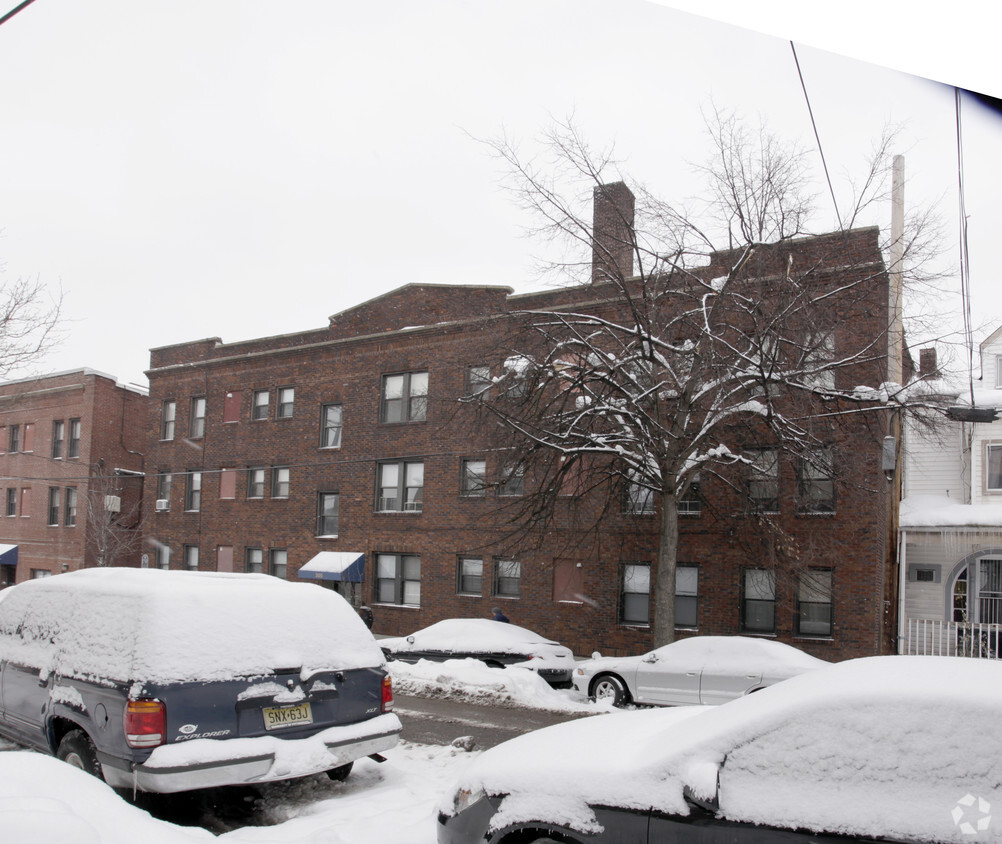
point(387, 695)
point(145, 723)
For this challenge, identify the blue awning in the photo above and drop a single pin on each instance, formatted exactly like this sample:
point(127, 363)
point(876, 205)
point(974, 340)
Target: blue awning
point(348, 566)
point(8, 555)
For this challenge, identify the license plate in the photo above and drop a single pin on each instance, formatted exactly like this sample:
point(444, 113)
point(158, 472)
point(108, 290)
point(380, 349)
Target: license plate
point(287, 716)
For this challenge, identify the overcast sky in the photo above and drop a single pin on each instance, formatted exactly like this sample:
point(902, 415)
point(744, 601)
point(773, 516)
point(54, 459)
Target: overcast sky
point(241, 168)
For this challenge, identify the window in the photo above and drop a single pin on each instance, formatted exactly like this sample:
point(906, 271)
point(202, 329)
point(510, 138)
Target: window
point(328, 504)
point(162, 555)
point(11, 501)
point(14, 442)
point(398, 579)
point(25, 502)
point(993, 460)
point(512, 481)
point(763, 480)
point(635, 603)
point(280, 481)
point(478, 379)
point(196, 424)
point(231, 406)
point(816, 483)
point(227, 483)
point(515, 370)
point(568, 581)
point(54, 505)
point(814, 603)
point(278, 560)
point(470, 576)
point(759, 603)
point(163, 490)
point(507, 578)
point(28, 444)
point(255, 481)
point(254, 560)
point(687, 596)
point(286, 400)
point(38, 574)
point(691, 503)
point(473, 482)
point(168, 413)
point(58, 436)
point(262, 399)
point(401, 487)
point(74, 449)
point(193, 492)
point(330, 426)
point(998, 372)
point(191, 557)
point(638, 498)
point(71, 506)
point(818, 361)
point(404, 397)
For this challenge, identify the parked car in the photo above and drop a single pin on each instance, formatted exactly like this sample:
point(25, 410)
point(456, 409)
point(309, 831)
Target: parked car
point(495, 643)
point(167, 681)
point(883, 748)
point(703, 669)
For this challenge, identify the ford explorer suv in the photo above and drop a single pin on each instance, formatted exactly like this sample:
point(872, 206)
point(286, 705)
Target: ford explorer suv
point(167, 681)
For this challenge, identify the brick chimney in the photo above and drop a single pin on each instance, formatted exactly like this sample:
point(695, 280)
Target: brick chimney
point(612, 232)
point(928, 366)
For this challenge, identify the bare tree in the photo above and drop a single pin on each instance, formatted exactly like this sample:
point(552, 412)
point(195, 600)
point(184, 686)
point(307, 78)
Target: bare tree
point(114, 517)
point(689, 360)
point(29, 324)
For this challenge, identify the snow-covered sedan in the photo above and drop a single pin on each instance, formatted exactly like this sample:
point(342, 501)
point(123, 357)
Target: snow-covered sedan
point(897, 748)
point(703, 669)
point(495, 643)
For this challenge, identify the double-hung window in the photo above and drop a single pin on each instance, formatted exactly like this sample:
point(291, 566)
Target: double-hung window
point(759, 601)
point(254, 560)
point(328, 505)
point(162, 555)
point(398, 579)
point(286, 402)
point(280, 481)
point(11, 501)
point(404, 397)
point(814, 603)
point(330, 426)
point(14, 443)
point(278, 562)
point(168, 415)
point(470, 576)
point(478, 380)
point(163, 491)
point(691, 502)
point(763, 479)
point(507, 578)
point(473, 483)
point(191, 557)
point(687, 596)
point(993, 467)
point(58, 437)
point(54, 505)
point(816, 483)
point(638, 497)
point(259, 406)
point(193, 492)
point(71, 506)
point(635, 594)
point(75, 433)
point(196, 423)
point(255, 481)
point(512, 481)
point(401, 486)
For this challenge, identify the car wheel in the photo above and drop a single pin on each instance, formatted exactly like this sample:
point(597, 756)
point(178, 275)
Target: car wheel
point(610, 687)
point(340, 774)
point(78, 750)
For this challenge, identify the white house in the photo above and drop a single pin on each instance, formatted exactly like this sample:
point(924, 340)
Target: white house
point(950, 528)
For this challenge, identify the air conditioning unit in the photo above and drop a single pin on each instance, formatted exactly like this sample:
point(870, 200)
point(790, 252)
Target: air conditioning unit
point(113, 504)
point(162, 505)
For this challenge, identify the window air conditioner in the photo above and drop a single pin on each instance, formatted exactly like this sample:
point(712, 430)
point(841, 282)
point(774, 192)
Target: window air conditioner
point(113, 504)
point(162, 505)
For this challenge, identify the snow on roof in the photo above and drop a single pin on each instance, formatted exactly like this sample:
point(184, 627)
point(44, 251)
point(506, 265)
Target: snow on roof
point(938, 511)
point(173, 626)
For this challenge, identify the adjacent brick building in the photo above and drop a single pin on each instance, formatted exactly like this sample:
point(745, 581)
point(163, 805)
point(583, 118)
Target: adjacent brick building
point(344, 452)
point(70, 474)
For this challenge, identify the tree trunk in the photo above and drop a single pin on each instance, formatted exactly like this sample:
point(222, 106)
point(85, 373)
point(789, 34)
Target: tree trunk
point(663, 623)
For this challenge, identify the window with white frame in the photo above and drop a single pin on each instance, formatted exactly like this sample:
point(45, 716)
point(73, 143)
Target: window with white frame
point(75, 434)
point(280, 481)
point(473, 482)
point(401, 486)
point(818, 360)
point(814, 603)
point(196, 422)
point(507, 578)
point(470, 576)
point(254, 560)
point(816, 483)
point(164, 480)
point(993, 467)
point(328, 506)
point(71, 507)
point(286, 402)
point(278, 562)
point(998, 372)
point(58, 436)
point(191, 557)
point(14, 442)
point(687, 596)
point(478, 379)
point(11, 501)
point(635, 594)
point(398, 579)
point(330, 426)
point(637, 497)
point(512, 481)
point(758, 613)
point(168, 414)
point(691, 502)
point(763, 479)
point(260, 404)
point(404, 397)
point(54, 505)
point(515, 373)
point(193, 491)
point(255, 481)
point(162, 554)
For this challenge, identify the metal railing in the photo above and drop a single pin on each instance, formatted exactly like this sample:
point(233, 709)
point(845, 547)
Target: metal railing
point(931, 637)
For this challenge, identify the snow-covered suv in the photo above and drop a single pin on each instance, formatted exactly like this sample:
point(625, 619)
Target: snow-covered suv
point(168, 681)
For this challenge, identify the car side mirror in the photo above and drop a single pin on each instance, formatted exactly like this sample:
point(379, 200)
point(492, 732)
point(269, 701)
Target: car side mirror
point(652, 657)
point(596, 655)
point(410, 640)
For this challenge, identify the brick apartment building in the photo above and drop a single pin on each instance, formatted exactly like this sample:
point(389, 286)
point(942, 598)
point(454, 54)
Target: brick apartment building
point(343, 453)
point(62, 438)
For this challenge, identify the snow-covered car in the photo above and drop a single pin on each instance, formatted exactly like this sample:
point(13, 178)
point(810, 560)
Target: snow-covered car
point(702, 669)
point(896, 748)
point(495, 643)
point(167, 681)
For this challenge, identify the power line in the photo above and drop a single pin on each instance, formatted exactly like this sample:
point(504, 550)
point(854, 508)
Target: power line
point(15, 10)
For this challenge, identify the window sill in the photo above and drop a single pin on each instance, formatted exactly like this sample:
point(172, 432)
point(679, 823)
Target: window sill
point(635, 625)
point(326, 536)
point(397, 606)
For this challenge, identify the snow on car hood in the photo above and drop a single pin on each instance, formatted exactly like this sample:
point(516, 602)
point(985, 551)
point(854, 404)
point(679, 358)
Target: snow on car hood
point(881, 746)
point(177, 626)
point(469, 635)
